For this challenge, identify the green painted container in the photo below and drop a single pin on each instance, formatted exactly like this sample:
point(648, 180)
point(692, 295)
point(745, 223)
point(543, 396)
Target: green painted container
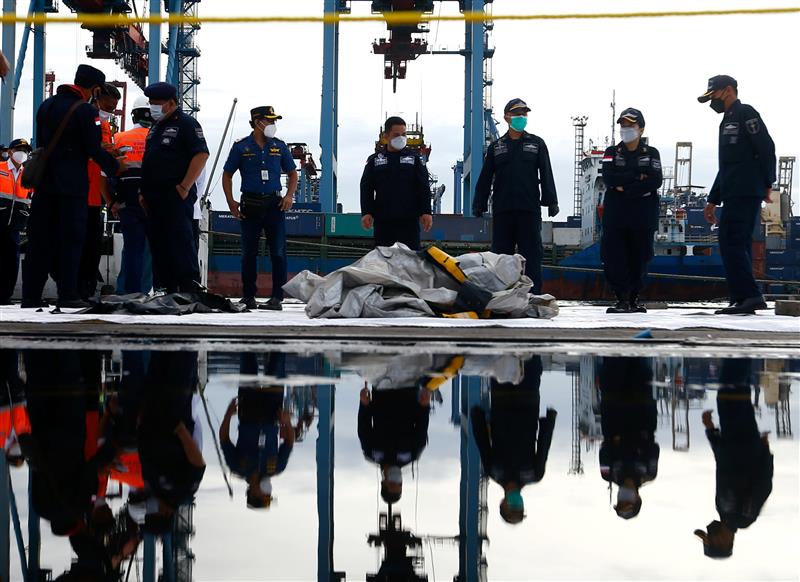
point(345, 226)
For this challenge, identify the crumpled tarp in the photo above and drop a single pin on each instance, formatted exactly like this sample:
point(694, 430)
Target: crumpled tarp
point(396, 282)
point(170, 304)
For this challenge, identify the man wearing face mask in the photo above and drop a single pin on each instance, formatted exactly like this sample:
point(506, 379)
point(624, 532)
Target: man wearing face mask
point(14, 199)
point(260, 159)
point(632, 174)
point(745, 178)
point(395, 190)
point(517, 175)
point(59, 210)
point(106, 104)
point(175, 154)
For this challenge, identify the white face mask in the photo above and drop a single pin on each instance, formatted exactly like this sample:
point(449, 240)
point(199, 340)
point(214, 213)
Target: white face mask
point(270, 130)
point(399, 142)
point(20, 157)
point(156, 112)
point(105, 115)
point(629, 134)
point(393, 474)
point(266, 486)
point(627, 495)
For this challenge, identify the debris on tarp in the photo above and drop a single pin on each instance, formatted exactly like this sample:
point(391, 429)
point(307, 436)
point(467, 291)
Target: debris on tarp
point(398, 282)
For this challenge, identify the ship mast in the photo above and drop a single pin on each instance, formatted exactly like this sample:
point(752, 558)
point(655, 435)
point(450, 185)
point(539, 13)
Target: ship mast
point(613, 117)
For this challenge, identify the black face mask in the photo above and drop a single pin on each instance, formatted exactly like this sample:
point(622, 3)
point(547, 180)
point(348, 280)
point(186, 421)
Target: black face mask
point(718, 105)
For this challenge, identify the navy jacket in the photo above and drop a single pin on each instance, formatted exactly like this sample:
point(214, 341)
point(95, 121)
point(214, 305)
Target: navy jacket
point(518, 174)
point(67, 167)
point(638, 173)
point(395, 186)
point(746, 156)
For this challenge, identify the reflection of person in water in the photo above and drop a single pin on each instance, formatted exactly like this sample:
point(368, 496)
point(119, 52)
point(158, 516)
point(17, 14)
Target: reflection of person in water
point(393, 430)
point(171, 457)
point(629, 453)
point(14, 422)
point(266, 436)
point(514, 442)
point(744, 461)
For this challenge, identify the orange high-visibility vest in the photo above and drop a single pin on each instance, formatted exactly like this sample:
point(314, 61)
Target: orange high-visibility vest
point(135, 140)
point(95, 197)
point(11, 189)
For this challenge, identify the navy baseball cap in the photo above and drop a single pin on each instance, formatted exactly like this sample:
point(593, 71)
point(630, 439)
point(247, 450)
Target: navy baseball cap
point(161, 91)
point(20, 143)
point(87, 76)
point(516, 105)
point(632, 115)
point(715, 84)
point(264, 112)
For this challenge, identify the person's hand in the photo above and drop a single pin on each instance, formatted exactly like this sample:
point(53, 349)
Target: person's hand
point(182, 191)
point(123, 166)
point(425, 398)
point(619, 189)
point(364, 396)
point(286, 202)
point(768, 197)
point(4, 66)
point(709, 213)
point(552, 210)
point(232, 407)
point(707, 420)
point(236, 209)
point(144, 205)
point(426, 220)
point(367, 221)
point(115, 208)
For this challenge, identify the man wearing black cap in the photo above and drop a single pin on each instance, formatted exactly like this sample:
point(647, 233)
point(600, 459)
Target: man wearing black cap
point(632, 174)
point(745, 178)
point(517, 174)
point(744, 462)
point(395, 190)
point(261, 158)
point(59, 210)
point(174, 156)
point(14, 208)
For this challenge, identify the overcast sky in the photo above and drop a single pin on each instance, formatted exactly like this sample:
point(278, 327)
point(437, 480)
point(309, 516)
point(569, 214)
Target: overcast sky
point(561, 68)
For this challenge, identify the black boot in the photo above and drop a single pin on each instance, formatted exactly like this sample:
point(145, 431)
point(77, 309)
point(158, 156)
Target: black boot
point(637, 307)
point(622, 306)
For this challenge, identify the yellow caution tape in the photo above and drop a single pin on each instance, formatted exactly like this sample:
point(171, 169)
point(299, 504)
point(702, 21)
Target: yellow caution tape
point(110, 20)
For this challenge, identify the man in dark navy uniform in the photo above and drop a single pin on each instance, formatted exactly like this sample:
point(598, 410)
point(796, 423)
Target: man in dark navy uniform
point(517, 174)
point(514, 441)
point(744, 462)
point(59, 209)
point(745, 178)
point(261, 158)
point(395, 190)
point(632, 174)
point(174, 156)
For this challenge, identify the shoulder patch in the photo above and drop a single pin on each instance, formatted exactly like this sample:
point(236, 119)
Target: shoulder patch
point(198, 131)
point(753, 125)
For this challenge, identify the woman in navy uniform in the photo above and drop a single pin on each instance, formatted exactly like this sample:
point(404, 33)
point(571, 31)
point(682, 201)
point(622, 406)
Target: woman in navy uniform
point(632, 174)
point(175, 154)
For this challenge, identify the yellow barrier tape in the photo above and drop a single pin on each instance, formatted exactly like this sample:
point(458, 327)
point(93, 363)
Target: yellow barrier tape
point(112, 20)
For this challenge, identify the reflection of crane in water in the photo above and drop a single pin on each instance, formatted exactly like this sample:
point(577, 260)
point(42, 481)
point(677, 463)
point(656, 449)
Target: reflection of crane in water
point(397, 564)
point(777, 389)
point(586, 427)
point(676, 397)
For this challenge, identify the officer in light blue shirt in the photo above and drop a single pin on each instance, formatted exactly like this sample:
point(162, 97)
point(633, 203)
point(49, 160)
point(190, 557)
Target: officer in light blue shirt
point(260, 159)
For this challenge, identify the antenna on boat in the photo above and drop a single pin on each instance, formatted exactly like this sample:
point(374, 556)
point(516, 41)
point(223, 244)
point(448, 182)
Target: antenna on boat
point(613, 116)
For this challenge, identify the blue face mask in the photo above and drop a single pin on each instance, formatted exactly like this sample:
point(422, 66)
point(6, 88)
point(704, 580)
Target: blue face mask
point(514, 500)
point(519, 123)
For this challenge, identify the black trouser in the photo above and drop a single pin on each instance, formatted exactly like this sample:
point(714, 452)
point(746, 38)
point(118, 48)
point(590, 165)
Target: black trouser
point(737, 417)
point(625, 252)
point(521, 232)
point(56, 230)
point(92, 248)
point(9, 261)
point(172, 245)
point(736, 224)
point(403, 230)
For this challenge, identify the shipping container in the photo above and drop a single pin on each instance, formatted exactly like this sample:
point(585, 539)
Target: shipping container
point(346, 225)
point(306, 207)
point(223, 222)
point(783, 273)
point(775, 243)
point(567, 237)
point(793, 242)
point(547, 233)
point(789, 258)
point(458, 228)
point(306, 224)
